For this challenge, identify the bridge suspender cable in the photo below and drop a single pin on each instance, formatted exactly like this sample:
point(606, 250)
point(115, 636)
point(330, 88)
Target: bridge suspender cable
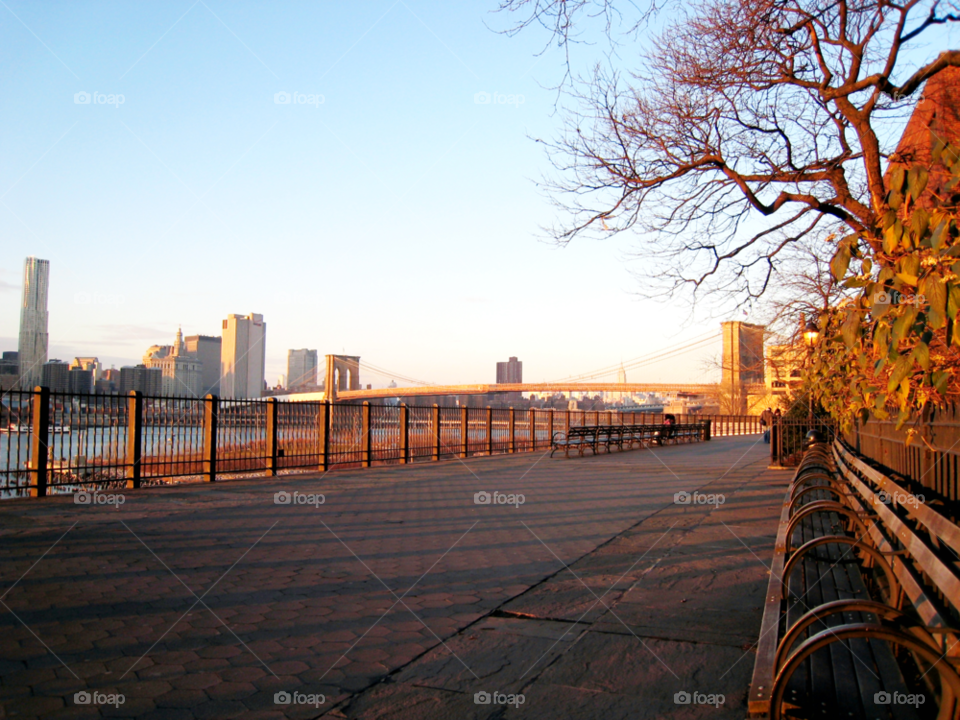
point(657, 356)
point(632, 364)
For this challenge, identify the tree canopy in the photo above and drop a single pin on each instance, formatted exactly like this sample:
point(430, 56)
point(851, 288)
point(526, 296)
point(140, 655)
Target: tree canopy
point(746, 126)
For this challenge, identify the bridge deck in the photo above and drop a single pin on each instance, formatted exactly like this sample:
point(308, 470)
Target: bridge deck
point(399, 573)
point(542, 388)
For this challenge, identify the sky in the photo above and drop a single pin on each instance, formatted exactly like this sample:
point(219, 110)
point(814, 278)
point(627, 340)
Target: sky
point(365, 175)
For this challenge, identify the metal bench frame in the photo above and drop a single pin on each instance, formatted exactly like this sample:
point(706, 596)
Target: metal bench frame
point(903, 542)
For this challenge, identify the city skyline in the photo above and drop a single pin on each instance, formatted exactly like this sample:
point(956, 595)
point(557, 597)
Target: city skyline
point(199, 194)
point(164, 357)
point(203, 192)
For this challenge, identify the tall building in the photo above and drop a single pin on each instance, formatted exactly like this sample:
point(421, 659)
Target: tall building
point(510, 371)
point(621, 380)
point(207, 349)
point(55, 375)
point(109, 381)
point(149, 381)
point(301, 369)
point(87, 363)
point(9, 371)
point(80, 381)
point(243, 356)
point(34, 339)
point(10, 363)
point(182, 372)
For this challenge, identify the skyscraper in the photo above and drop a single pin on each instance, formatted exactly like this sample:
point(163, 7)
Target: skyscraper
point(510, 371)
point(208, 350)
point(55, 375)
point(301, 368)
point(243, 356)
point(34, 339)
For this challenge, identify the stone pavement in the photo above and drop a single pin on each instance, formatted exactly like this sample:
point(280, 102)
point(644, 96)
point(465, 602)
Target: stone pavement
point(399, 596)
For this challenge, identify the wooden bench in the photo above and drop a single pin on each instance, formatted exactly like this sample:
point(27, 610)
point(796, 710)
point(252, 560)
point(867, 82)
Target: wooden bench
point(862, 598)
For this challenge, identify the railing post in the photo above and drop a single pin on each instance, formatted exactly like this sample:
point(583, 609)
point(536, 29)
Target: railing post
point(775, 443)
point(39, 436)
point(550, 427)
point(404, 433)
point(134, 438)
point(489, 430)
point(706, 430)
point(464, 431)
point(365, 439)
point(271, 453)
point(211, 414)
point(513, 431)
point(323, 435)
point(533, 430)
point(566, 425)
point(435, 423)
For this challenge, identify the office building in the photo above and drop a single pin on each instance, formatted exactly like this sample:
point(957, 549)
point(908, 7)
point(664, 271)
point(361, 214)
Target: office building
point(55, 375)
point(510, 371)
point(34, 339)
point(87, 363)
point(301, 369)
point(149, 381)
point(181, 371)
point(207, 349)
point(243, 356)
point(109, 381)
point(80, 381)
point(10, 363)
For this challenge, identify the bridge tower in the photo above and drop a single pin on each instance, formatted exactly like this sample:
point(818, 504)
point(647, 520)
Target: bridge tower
point(343, 373)
point(742, 364)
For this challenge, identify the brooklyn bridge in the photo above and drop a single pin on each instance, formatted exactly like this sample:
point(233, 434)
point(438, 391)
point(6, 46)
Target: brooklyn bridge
point(742, 375)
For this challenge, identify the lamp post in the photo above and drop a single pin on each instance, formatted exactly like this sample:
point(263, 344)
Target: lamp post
point(811, 333)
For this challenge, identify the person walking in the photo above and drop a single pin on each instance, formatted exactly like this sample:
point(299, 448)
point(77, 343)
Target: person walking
point(766, 420)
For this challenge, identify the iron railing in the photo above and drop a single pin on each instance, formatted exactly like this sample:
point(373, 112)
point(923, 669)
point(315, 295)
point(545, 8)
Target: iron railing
point(788, 438)
point(56, 442)
point(928, 459)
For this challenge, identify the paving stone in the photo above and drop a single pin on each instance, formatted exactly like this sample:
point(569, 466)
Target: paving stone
point(319, 617)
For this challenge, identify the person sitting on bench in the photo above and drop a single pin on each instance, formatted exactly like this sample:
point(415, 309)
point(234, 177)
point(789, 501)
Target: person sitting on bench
point(667, 432)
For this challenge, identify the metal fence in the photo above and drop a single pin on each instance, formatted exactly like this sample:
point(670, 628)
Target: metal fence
point(60, 442)
point(930, 461)
point(788, 438)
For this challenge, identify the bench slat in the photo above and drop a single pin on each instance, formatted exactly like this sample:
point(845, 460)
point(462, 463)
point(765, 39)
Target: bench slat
point(762, 683)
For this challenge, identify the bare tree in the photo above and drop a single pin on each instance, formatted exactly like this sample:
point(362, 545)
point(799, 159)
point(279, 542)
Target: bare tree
point(803, 288)
point(750, 124)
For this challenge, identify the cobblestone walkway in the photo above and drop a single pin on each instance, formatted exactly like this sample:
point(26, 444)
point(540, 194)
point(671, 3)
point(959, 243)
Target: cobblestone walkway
point(399, 596)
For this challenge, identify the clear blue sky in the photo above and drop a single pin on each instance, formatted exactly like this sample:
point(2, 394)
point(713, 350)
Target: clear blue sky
point(397, 220)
